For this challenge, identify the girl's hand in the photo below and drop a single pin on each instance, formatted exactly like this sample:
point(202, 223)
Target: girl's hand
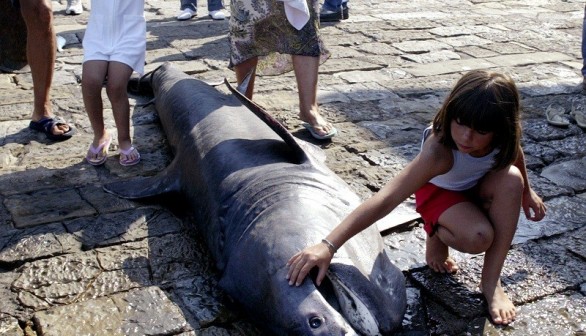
point(532, 202)
point(301, 263)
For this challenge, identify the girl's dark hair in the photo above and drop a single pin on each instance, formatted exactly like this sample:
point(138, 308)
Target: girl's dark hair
point(486, 102)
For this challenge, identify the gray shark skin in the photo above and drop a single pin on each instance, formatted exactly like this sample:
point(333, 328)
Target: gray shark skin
point(259, 196)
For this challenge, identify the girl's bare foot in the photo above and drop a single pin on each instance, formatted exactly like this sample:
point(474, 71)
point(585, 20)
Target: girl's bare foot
point(500, 307)
point(437, 256)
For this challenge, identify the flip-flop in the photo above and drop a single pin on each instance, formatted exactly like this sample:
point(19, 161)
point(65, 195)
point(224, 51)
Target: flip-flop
point(101, 153)
point(45, 125)
point(555, 116)
point(125, 153)
point(318, 136)
point(580, 119)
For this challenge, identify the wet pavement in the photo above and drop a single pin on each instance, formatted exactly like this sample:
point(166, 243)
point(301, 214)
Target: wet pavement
point(75, 260)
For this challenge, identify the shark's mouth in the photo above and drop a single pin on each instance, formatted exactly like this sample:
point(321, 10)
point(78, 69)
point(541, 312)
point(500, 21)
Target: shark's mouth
point(350, 305)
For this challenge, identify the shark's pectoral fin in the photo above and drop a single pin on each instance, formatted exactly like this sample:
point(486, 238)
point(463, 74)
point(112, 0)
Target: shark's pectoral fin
point(373, 302)
point(142, 187)
point(354, 307)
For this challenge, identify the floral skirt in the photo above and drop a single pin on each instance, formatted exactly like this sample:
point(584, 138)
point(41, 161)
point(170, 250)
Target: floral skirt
point(259, 28)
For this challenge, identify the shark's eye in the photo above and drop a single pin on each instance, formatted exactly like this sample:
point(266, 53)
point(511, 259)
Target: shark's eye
point(315, 322)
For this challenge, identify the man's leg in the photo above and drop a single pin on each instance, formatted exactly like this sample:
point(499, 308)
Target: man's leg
point(584, 49)
point(40, 50)
point(334, 10)
point(215, 9)
point(188, 10)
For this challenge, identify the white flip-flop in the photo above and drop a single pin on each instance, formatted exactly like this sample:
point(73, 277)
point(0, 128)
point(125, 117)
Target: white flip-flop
point(555, 116)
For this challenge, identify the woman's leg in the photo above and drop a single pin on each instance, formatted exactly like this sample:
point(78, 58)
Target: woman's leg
point(503, 192)
point(118, 76)
point(306, 72)
point(93, 75)
point(242, 70)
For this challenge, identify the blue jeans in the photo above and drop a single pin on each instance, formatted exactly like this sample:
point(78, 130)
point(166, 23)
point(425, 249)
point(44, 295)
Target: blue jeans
point(213, 5)
point(333, 4)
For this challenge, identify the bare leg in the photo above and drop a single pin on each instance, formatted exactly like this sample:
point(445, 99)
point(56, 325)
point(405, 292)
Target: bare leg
point(41, 49)
point(93, 76)
point(306, 72)
point(463, 227)
point(242, 70)
point(118, 75)
point(504, 190)
point(437, 256)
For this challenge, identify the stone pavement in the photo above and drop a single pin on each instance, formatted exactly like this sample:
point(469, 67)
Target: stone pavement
point(77, 261)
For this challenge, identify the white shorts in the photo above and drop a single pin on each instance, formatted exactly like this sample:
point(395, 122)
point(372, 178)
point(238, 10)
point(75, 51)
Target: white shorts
point(116, 31)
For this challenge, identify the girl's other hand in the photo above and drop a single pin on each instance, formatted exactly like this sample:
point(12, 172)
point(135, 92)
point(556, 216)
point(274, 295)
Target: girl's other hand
point(533, 206)
point(302, 262)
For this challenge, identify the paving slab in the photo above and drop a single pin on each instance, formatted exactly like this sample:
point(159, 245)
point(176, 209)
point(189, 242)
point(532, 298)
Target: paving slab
point(76, 260)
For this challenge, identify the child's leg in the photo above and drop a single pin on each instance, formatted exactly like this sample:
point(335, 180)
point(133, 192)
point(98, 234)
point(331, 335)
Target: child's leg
point(462, 226)
point(503, 191)
point(118, 76)
point(93, 76)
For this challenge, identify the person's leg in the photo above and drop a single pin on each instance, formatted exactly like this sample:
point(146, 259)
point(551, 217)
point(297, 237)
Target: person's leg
point(215, 9)
point(188, 9)
point(214, 5)
point(118, 76)
point(584, 45)
point(41, 50)
point(334, 10)
point(242, 70)
point(191, 4)
point(74, 7)
point(333, 5)
point(306, 72)
point(93, 75)
point(464, 227)
point(503, 192)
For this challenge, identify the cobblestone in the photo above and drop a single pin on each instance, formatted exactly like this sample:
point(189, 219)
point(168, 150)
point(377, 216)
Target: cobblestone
point(75, 260)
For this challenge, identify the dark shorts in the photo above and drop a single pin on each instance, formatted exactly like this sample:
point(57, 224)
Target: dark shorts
point(431, 201)
point(15, 3)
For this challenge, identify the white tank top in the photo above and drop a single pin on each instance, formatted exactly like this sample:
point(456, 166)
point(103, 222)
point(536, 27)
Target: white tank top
point(465, 172)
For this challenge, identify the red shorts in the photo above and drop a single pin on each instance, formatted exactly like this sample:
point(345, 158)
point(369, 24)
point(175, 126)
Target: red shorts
point(431, 201)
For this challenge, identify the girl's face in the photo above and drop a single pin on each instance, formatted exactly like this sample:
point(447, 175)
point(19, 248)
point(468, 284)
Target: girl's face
point(470, 141)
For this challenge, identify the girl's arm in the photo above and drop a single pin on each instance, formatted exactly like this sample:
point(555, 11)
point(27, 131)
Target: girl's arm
point(434, 159)
point(531, 201)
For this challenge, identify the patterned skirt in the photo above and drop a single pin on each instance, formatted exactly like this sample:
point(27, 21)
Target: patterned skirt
point(259, 28)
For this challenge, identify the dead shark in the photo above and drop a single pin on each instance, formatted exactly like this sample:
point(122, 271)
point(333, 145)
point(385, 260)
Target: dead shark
point(259, 195)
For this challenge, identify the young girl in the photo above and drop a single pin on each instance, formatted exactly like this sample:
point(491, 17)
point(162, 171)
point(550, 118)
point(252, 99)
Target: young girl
point(114, 45)
point(469, 182)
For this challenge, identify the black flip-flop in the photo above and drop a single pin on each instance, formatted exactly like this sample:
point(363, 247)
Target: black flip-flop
point(45, 125)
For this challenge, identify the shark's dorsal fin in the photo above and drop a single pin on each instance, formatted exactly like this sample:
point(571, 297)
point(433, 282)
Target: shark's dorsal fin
point(275, 125)
point(142, 187)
